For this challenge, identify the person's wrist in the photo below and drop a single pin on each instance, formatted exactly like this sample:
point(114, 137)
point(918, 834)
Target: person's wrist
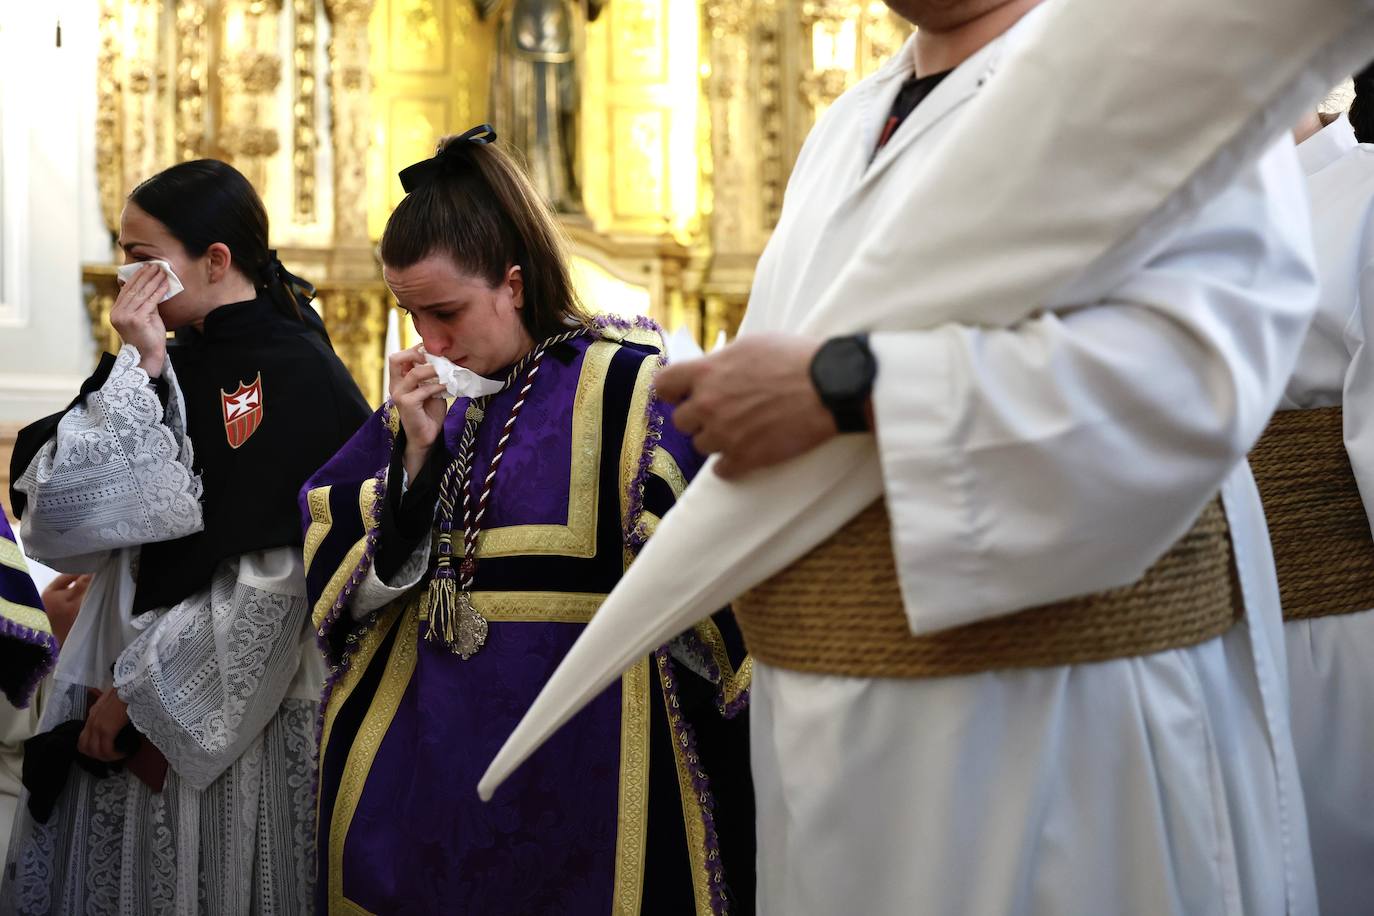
point(842, 373)
point(415, 455)
point(151, 361)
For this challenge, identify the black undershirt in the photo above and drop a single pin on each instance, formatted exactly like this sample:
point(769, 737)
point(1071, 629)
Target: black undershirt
point(913, 92)
point(407, 520)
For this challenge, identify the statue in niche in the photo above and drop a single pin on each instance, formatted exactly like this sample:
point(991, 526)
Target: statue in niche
point(536, 89)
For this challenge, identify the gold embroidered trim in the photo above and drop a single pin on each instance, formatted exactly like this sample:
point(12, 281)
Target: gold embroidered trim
point(393, 421)
point(400, 667)
point(650, 522)
point(12, 556)
point(537, 607)
point(367, 501)
point(664, 465)
point(646, 336)
point(633, 817)
point(740, 682)
point(636, 430)
point(692, 818)
point(25, 616)
point(321, 520)
point(361, 659)
point(578, 537)
point(733, 681)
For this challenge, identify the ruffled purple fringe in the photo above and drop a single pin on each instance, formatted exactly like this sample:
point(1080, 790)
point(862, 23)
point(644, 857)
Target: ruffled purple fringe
point(643, 322)
point(8, 628)
point(685, 740)
point(636, 531)
point(339, 668)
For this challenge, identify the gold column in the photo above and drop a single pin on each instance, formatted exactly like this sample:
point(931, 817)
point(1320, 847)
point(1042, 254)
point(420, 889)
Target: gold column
point(99, 288)
point(742, 76)
point(832, 26)
point(349, 85)
point(356, 313)
point(249, 74)
point(192, 83)
point(354, 302)
point(109, 150)
point(303, 138)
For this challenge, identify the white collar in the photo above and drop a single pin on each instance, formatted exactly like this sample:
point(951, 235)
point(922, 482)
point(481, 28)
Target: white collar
point(1327, 145)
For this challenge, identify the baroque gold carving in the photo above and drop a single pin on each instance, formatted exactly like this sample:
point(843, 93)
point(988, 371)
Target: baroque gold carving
point(109, 151)
point(772, 166)
point(100, 289)
point(304, 140)
point(249, 74)
point(356, 315)
point(192, 69)
point(349, 86)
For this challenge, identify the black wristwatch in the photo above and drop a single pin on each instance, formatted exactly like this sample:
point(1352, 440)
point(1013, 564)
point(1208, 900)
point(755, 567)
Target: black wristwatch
point(843, 371)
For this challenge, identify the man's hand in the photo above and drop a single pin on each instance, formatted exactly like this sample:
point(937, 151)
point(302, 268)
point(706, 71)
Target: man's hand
point(106, 719)
point(62, 600)
point(753, 402)
point(416, 389)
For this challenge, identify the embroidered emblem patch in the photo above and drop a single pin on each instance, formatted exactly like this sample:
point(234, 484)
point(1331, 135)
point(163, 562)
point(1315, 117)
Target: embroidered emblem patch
point(242, 411)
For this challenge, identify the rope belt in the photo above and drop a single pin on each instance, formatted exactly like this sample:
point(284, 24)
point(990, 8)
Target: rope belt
point(1317, 521)
point(838, 610)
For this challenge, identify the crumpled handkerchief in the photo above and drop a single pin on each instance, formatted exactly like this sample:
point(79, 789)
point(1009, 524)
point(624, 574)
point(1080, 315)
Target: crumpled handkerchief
point(127, 271)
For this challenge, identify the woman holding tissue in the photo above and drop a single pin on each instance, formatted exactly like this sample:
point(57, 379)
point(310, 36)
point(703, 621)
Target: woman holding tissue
point(187, 691)
point(455, 552)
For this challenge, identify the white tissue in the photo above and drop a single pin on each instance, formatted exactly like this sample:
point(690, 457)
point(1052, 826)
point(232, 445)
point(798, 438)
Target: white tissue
point(126, 273)
point(460, 382)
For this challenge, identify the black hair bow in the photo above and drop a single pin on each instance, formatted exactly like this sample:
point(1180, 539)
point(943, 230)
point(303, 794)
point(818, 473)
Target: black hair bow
point(448, 159)
point(275, 272)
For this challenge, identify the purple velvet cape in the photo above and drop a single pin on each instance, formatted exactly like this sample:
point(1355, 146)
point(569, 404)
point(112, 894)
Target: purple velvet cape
point(27, 647)
point(640, 802)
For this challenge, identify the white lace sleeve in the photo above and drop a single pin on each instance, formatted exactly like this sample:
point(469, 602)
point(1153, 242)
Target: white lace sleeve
point(204, 679)
point(116, 474)
point(372, 592)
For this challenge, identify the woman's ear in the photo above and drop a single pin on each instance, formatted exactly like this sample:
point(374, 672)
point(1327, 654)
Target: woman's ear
point(515, 281)
point(219, 260)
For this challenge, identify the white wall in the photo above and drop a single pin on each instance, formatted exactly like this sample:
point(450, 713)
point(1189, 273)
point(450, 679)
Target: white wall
point(49, 204)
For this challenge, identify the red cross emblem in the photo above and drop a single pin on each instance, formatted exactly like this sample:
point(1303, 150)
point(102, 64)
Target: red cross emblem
point(242, 411)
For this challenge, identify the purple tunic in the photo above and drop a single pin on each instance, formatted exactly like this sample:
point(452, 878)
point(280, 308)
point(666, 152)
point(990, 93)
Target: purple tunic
point(617, 813)
point(27, 647)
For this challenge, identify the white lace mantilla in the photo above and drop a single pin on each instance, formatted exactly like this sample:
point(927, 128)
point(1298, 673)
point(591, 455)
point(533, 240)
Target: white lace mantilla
point(116, 474)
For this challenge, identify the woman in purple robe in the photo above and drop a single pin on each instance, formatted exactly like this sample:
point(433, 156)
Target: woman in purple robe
point(454, 554)
point(28, 648)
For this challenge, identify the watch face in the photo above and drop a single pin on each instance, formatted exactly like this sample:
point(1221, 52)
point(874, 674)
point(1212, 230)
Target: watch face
point(843, 369)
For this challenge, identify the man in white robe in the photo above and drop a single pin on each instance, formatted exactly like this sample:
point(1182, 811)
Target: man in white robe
point(1330, 635)
point(1018, 462)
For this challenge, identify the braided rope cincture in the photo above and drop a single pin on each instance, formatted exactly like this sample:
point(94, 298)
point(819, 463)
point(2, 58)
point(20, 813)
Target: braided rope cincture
point(452, 618)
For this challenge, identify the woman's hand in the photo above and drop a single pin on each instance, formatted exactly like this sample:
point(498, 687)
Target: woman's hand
point(62, 601)
point(106, 719)
point(136, 318)
point(413, 387)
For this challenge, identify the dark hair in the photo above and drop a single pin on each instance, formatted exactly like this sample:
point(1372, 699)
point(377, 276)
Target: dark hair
point(1362, 109)
point(482, 211)
point(207, 201)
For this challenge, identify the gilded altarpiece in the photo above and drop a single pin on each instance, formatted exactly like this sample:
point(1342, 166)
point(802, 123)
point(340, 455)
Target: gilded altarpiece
point(692, 115)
